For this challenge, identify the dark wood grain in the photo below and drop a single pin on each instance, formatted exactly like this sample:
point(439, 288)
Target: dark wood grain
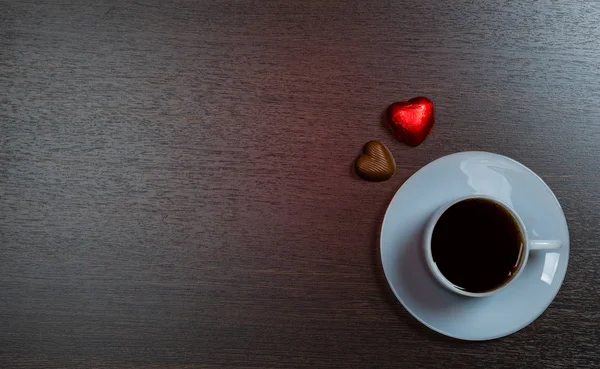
point(175, 184)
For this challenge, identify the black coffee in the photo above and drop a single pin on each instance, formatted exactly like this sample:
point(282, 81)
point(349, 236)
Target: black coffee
point(477, 245)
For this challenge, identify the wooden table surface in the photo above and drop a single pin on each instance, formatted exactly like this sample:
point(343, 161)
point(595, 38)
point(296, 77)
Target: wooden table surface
point(176, 186)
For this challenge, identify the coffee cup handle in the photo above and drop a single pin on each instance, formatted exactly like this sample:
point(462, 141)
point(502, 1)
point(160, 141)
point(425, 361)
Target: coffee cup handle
point(544, 245)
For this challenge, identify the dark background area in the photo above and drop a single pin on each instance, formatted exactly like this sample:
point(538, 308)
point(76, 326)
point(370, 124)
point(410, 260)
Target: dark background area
point(176, 186)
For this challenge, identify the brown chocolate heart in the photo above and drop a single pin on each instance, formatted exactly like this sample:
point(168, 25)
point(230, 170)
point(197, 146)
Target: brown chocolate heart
point(376, 164)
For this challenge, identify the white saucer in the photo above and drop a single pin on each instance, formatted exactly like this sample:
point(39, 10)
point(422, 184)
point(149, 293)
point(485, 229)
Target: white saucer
point(444, 180)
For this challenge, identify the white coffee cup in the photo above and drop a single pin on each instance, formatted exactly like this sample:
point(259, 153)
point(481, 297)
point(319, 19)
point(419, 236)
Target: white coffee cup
point(529, 245)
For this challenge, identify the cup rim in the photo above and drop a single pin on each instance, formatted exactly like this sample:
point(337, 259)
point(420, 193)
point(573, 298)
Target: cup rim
point(438, 274)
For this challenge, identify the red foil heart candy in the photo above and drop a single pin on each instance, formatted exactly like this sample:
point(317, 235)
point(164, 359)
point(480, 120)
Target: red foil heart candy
point(412, 120)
